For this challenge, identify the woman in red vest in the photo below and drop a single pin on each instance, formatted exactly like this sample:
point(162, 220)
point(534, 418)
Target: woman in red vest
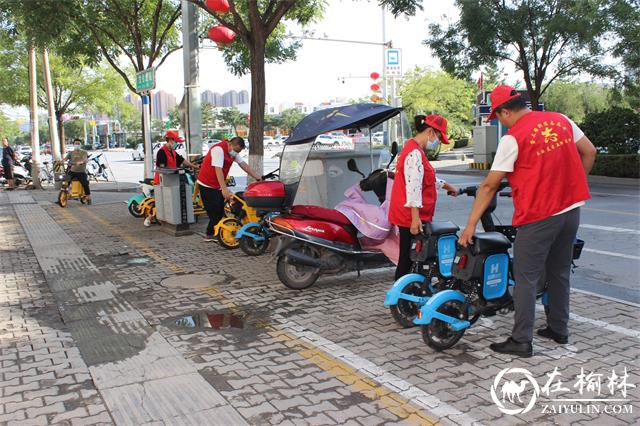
point(213, 174)
point(546, 159)
point(167, 157)
point(413, 198)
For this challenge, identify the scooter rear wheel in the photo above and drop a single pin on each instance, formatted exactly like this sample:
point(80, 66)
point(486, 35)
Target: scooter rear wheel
point(297, 277)
point(253, 247)
point(439, 335)
point(405, 311)
point(227, 234)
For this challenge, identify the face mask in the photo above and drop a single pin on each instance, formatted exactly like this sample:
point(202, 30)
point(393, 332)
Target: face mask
point(433, 144)
point(233, 154)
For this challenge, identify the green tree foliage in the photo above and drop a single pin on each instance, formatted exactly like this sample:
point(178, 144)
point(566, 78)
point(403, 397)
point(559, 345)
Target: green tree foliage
point(575, 99)
point(545, 39)
point(233, 118)
point(174, 117)
point(8, 128)
point(261, 38)
point(272, 122)
point(141, 32)
point(626, 27)
point(208, 115)
point(614, 131)
point(425, 91)
point(290, 118)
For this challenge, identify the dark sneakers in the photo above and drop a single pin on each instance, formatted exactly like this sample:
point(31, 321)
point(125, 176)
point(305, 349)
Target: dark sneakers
point(512, 347)
point(548, 333)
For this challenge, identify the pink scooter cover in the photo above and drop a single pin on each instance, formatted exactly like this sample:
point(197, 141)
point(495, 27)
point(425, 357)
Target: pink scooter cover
point(372, 221)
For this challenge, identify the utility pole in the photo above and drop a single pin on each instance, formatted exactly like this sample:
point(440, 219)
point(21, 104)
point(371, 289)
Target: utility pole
point(148, 149)
point(193, 112)
point(58, 164)
point(53, 131)
point(33, 117)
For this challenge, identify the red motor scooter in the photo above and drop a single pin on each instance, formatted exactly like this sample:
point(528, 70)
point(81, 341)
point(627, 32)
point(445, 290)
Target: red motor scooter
point(316, 240)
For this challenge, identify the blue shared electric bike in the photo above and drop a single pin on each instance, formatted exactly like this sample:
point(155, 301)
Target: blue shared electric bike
point(432, 254)
point(484, 287)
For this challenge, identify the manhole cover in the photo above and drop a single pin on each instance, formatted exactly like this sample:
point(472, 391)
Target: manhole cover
point(192, 281)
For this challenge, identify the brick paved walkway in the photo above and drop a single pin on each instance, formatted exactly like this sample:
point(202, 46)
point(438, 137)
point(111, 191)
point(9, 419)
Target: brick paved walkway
point(91, 333)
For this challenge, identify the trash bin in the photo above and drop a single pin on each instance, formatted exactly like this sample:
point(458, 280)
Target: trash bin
point(326, 176)
point(174, 205)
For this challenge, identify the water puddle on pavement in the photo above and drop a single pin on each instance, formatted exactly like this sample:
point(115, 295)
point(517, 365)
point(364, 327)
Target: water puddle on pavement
point(212, 320)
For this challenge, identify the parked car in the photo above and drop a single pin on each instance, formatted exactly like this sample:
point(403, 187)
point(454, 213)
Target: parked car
point(24, 150)
point(138, 153)
point(377, 137)
point(326, 140)
point(268, 141)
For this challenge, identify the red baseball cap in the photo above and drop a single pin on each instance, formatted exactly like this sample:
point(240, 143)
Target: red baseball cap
point(439, 123)
point(499, 96)
point(173, 134)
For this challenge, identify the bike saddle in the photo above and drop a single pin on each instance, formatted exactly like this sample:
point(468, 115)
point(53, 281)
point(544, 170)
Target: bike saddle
point(439, 228)
point(147, 181)
point(490, 241)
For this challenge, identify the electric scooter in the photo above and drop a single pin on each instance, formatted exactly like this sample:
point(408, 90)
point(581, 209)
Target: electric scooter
point(316, 240)
point(432, 254)
point(484, 271)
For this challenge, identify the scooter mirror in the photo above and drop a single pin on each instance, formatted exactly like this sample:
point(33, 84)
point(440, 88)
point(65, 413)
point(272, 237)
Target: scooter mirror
point(394, 148)
point(351, 165)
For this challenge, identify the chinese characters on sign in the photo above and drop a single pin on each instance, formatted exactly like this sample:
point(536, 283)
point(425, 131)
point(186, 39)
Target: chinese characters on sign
point(146, 80)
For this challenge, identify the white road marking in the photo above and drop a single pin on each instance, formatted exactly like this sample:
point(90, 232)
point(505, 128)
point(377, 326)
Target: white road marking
point(415, 395)
point(610, 211)
point(598, 323)
point(613, 299)
point(610, 253)
point(610, 229)
point(615, 195)
point(606, 325)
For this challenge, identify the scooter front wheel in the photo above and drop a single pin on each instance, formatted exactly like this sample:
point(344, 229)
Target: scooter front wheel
point(134, 209)
point(296, 277)
point(252, 247)
point(62, 198)
point(405, 311)
point(227, 234)
point(440, 335)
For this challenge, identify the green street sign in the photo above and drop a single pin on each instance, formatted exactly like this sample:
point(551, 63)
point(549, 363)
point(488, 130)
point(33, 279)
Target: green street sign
point(146, 80)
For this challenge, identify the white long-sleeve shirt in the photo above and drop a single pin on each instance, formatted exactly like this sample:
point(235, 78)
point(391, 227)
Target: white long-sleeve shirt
point(413, 175)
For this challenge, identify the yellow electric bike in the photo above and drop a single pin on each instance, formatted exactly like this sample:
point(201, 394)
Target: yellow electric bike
point(71, 190)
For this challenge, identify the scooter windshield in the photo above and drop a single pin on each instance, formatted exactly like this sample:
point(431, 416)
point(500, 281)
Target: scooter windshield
point(292, 162)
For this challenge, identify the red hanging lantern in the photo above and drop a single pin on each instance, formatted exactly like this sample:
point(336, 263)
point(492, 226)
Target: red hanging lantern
point(218, 6)
point(221, 34)
point(374, 75)
point(375, 87)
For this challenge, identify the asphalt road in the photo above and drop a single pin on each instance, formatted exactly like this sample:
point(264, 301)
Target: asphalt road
point(610, 226)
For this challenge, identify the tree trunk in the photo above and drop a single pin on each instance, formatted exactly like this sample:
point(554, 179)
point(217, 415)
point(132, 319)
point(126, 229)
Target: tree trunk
point(258, 95)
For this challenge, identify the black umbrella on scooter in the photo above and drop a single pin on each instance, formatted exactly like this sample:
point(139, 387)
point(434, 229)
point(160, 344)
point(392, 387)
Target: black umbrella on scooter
point(339, 118)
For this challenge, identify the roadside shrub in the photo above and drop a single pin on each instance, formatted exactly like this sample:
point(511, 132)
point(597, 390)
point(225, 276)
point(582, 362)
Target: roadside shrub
point(627, 166)
point(614, 131)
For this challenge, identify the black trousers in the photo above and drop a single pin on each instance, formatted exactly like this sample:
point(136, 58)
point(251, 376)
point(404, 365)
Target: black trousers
point(82, 178)
point(404, 261)
point(213, 202)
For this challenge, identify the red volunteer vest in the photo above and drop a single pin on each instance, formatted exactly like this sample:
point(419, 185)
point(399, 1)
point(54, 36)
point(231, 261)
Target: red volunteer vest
point(548, 175)
point(207, 175)
point(171, 163)
point(398, 213)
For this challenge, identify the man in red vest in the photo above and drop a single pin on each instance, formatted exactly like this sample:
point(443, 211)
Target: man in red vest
point(546, 159)
point(213, 174)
